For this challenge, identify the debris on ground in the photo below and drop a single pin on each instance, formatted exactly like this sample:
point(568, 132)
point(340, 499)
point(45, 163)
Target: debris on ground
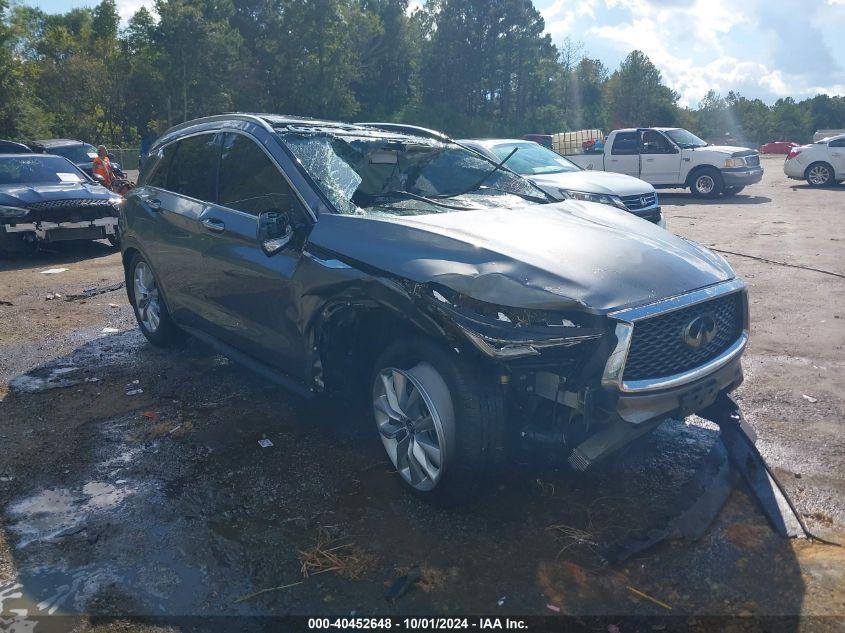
point(553, 607)
point(809, 399)
point(53, 271)
point(150, 415)
point(501, 600)
point(571, 536)
point(133, 388)
point(639, 593)
point(329, 554)
point(403, 584)
point(93, 292)
point(110, 330)
point(6, 303)
point(265, 443)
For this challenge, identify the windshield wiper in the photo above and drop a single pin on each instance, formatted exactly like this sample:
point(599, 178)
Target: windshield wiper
point(486, 176)
point(526, 196)
point(387, 195)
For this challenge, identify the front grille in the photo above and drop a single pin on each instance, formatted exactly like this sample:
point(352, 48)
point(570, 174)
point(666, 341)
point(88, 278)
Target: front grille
point(658, 349)
point(752, 161)
point(642, 201)
point(73, 210)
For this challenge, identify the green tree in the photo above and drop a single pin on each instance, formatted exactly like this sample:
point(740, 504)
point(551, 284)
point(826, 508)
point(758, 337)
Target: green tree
point(636, 96)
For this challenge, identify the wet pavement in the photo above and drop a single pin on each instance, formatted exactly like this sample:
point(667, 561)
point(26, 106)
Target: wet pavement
point(132, 481)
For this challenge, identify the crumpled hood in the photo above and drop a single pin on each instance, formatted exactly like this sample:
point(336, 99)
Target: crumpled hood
point(22, 195)
point(557, 256)
point(592, 182)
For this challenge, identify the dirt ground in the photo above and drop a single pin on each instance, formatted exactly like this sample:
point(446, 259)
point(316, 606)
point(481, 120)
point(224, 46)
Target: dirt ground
point(132, 481)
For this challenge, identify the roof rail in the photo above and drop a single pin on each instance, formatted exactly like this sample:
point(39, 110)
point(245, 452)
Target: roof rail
point(228, 116)
point(409, 129)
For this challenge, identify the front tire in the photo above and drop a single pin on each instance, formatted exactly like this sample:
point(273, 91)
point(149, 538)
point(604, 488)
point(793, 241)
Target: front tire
point(819, 175)
point(706, 183)
point(148, 304)
point(440, 418)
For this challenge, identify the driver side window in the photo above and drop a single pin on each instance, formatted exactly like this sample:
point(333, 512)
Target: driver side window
point(249, 181)
point(655, 143)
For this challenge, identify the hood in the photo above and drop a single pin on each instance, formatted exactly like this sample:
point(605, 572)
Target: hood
point(22, 195)
point(729, 150)
point(592, 182)
point(559, 256)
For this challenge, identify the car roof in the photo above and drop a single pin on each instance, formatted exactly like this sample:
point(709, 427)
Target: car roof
point(283, 122)
point(58, 142)
point(491, 142)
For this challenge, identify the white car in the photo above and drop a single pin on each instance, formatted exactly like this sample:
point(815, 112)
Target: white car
point(564, 180)
point(821, 163)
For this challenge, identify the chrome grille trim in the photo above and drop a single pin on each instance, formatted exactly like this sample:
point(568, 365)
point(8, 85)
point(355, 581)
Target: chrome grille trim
point(626, 318)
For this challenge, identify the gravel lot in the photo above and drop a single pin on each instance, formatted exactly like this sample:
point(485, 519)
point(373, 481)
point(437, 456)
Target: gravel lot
point(163, 502)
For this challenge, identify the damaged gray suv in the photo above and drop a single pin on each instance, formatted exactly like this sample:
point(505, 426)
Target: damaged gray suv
point(476, 315)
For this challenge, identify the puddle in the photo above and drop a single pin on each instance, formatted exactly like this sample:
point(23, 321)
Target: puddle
point(53, 514)
point(55, 378)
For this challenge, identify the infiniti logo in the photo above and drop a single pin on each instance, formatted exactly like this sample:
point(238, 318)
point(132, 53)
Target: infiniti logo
point(700, 331)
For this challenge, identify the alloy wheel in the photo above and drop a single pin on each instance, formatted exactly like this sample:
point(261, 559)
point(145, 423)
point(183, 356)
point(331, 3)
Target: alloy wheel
point(818, 175)
point(409, 410)
point(705, 184)
point(147, 297)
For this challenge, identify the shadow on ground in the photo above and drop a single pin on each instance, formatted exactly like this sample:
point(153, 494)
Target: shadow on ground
point(683, 198)
point(60, 253)
point(163, 503)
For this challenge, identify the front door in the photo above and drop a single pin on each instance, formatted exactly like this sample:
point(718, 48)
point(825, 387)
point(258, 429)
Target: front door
point(624, 157)
point(660, 159)
point(251, 295)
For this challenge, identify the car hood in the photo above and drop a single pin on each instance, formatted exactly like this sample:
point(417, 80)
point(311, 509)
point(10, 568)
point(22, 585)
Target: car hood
point(592, 182)
point(22, 195)
point(559, 256)
point(729, 150)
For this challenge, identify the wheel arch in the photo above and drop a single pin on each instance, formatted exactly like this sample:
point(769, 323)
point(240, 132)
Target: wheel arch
point(698, 169)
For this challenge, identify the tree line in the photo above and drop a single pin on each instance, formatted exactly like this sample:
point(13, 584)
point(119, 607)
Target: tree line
point(469, 68)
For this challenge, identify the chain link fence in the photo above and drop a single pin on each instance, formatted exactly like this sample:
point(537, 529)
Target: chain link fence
point(126, 156)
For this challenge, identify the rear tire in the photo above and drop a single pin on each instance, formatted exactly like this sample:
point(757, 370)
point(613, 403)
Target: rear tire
point(440, 418)
point(732, 191)
point(148, 304)
point(819, 174)
point(706, 183)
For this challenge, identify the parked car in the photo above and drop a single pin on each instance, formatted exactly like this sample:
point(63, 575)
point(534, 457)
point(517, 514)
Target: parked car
point(78, 152)
point(821, 163)
point(777, 147)
point(472, 311)
point(47, 198)
point(541, 139)
point(563, 180)
point(10, 147)
point(673, 157)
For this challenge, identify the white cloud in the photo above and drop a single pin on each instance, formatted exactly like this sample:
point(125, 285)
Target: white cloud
point(127, 8)
point(761, 48)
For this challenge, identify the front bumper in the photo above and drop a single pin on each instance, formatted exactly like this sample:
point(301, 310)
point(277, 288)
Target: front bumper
point(742, 176)
point(62, 231)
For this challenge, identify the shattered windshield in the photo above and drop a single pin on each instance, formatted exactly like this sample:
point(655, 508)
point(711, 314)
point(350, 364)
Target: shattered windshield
point(404, 175)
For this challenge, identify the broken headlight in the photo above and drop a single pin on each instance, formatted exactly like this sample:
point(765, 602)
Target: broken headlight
point(13, 212)
point(504, 332)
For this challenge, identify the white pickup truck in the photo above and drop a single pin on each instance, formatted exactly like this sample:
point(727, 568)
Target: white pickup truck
point(673, 157)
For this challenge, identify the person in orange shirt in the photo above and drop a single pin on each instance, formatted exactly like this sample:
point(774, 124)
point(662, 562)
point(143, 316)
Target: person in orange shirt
point(102, 166)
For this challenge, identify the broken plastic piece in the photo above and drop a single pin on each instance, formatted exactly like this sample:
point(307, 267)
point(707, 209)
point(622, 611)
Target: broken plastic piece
point(265, 443)
point(402, 584)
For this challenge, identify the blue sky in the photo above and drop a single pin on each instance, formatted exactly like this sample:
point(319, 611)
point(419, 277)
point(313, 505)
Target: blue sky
point(762, 48)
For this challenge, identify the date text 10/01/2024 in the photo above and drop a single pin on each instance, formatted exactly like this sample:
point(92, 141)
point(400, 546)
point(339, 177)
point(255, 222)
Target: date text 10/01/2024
point(418, 623)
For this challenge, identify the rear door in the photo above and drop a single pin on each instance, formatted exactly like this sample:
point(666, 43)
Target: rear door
point(660, 159)
point(624, 154)
point(836, 149)
point(175, 196)
point(252, 300)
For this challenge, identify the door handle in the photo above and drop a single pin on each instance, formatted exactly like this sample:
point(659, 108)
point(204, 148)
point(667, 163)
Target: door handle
point(649, 160)
point(153, 203)
point(214, 225)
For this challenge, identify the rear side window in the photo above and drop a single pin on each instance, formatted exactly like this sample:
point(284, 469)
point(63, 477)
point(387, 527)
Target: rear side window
point(194, 167)
point(840, 142)
point(626, 144)
point(249, 181)
point(159, 166)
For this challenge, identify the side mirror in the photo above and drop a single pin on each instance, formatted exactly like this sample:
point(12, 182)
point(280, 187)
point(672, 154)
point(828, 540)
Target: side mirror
point(274, 231)
point(99, 178)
